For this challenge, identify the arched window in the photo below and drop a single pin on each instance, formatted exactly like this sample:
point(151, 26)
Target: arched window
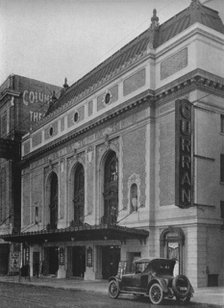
point(53, 200)
point(110, 189)
point(79, 195)
point(133, 197)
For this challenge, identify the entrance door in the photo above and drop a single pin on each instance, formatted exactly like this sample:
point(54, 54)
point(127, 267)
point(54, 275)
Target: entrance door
point(4, 258)
point(78, 261)
point(173, 252)
point(110, 261)
point(36, 263)
point(53, 260)
point(171, 247)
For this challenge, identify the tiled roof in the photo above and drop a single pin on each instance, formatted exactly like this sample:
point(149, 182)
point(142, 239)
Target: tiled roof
point(196, 12)
point(134, 48)
point(156, 35)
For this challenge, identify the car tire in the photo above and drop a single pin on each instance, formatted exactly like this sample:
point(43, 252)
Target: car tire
point(156, 294)
point(178, 282)
point(113, 289)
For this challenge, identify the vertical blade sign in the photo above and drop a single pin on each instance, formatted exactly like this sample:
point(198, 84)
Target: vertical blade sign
point(183, 154)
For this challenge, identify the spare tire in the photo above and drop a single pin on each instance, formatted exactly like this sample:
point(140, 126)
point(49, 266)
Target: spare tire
point(181, 286)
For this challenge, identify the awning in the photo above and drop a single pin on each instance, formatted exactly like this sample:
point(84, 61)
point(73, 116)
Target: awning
point(80, 233)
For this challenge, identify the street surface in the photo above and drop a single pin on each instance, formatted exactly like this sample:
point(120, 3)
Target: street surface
point(13, 295)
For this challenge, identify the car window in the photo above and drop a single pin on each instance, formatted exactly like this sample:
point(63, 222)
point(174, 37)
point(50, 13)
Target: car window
point(163, 268)
point(141, 267)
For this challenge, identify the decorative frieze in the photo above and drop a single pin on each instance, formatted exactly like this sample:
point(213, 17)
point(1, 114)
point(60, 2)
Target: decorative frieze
point(36, 138)
point(174, 63)
point(134, 82)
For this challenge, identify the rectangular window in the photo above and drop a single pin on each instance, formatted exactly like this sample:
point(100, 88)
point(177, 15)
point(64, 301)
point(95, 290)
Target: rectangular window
point(222, 123)
point(222, 167)
point(222, 209)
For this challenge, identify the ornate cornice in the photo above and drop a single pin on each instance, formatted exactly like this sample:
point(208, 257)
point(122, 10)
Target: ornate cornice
point(197, 79)
point(98, 86)
point(8, 93)
point(144, 97)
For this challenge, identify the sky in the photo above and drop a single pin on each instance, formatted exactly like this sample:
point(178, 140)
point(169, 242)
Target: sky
point(49, 40)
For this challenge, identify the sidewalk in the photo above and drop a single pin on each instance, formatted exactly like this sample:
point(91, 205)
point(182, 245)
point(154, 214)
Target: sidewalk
point(212, 297)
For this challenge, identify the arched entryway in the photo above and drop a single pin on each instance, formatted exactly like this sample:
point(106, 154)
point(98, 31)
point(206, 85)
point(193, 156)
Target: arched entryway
point(110, 189)
point(171, 246)
point(76, 255)
point(50, 261)
point(78, 198)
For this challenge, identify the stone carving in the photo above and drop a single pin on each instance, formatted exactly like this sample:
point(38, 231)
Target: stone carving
point(77, 157)
point(108, 144)
point(89, 154)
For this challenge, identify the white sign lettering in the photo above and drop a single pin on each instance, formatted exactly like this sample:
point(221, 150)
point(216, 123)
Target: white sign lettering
point(35, 116)
point(31, 97)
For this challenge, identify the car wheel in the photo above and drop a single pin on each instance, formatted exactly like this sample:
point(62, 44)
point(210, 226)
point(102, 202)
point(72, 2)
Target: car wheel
point(156, 294)
point(181, 286)
point(113, 289)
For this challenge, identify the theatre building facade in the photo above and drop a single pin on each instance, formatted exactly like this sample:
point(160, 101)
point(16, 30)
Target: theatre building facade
point(23, 101)
point(128, 162)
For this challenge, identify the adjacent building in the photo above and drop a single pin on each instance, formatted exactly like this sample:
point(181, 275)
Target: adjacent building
point(23, 102)
point(129, 161)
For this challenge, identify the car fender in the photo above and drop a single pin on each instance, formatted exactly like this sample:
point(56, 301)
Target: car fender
point(161, 282)
point(117, 279)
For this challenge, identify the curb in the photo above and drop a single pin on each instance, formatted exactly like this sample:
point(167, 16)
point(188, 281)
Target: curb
point(33, 284)
point(40, 285)
point(206, 305)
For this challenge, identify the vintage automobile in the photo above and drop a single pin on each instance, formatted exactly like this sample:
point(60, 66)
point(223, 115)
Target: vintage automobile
point(153, 278)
